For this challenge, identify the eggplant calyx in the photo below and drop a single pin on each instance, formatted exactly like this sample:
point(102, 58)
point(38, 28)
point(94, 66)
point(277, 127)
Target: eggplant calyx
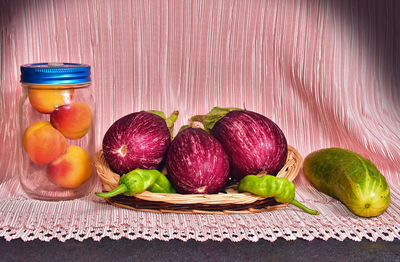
point(208, 121)
point(170, 121)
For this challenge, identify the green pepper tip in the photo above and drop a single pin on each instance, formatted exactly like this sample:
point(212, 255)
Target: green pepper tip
point(303, 207)
point(116, 191)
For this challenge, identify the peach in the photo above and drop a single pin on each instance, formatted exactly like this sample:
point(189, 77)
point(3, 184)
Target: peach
point(71, 169)
point(47, 100)
point(72, 120)
point(43, 142)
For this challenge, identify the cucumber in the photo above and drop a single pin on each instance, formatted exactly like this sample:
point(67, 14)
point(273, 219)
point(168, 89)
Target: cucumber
point(349, 178)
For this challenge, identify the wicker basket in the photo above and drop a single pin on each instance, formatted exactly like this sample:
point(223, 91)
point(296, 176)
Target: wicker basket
point(228, 202)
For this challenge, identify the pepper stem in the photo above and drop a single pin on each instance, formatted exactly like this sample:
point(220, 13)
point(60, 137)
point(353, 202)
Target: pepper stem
point(116, 191)
point(303, 207)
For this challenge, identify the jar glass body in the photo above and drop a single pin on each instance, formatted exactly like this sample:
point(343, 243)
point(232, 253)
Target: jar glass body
point(57, 140)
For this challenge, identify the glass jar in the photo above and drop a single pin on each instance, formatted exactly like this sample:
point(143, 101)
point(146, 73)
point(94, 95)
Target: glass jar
point(56, 116)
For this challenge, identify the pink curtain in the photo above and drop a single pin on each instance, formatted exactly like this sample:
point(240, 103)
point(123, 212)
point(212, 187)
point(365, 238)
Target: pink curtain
point(327, 72)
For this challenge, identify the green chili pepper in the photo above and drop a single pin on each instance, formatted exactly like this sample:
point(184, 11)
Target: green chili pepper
point(138, 181)
point(270, 186)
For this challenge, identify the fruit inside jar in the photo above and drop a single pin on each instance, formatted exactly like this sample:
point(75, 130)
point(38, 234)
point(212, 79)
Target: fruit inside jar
point(56, 125)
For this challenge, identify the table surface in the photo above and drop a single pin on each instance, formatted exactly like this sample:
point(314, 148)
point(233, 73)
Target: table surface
point(176, 250)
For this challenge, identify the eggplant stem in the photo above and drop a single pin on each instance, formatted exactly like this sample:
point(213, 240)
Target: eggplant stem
point(174, 116)
point(116, 191)
point(303, 207)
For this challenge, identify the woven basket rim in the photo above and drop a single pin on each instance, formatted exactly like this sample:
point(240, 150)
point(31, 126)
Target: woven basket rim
point(187, 203)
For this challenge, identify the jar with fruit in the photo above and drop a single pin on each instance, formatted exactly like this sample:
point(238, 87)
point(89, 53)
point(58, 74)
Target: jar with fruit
point(56, 115)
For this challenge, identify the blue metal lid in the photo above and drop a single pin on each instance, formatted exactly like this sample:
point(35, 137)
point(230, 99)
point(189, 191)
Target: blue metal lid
point(55, 73)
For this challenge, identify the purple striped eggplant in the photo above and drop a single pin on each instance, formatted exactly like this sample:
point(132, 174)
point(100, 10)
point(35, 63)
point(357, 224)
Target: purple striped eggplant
point(138, 140)
point(197, 163)
point(253, 142)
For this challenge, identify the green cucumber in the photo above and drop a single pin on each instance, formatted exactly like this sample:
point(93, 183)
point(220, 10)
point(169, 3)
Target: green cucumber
point(350, 178)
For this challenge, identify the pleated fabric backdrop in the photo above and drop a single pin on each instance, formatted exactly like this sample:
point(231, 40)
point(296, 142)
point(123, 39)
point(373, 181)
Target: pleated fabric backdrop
point(327, 72)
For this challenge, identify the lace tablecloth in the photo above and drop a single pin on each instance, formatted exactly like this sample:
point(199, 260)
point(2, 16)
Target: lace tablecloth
point(91, 217)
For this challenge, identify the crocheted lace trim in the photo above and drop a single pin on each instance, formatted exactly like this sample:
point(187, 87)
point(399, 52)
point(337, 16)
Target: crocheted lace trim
point(92, 218)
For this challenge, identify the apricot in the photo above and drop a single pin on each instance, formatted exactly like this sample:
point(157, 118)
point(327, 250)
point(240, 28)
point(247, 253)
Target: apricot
point(47, 100)
point(72, 120)
point(72, 169)
point(43, 143)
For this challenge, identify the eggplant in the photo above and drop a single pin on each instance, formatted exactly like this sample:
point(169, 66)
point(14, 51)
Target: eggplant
point(196, 163)
point(138, 140)
point(253, 142)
